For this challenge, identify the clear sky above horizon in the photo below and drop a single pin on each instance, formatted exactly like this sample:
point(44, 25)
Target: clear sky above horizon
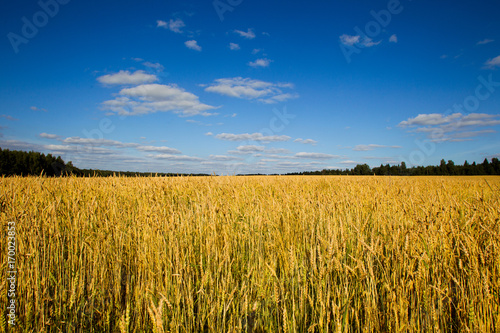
point(241, 86)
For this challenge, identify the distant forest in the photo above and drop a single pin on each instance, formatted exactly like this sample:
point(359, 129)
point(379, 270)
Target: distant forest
point(443, 169)
point(14, 162)
point(21, 163)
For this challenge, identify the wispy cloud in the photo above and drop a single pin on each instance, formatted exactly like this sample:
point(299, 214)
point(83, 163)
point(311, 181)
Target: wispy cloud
point(485, 41)
point(125, 78)
point(171, 157)
point(193, 45)
point(393, 39)
point(151, 98)
point(34, 108)
point(224, 158)
point(492, 63)
point(172, 25)
point(260, 63)
point(154, 65)
point(357, 40)
point(316, 156)
point(247, 149)
point(306, 141)
point(246, 88)
point(249, 34)
point(259, 137)
point(372, 147)
point(455, 127)
point(6, 116)
point(234, 46)
point(49, 136)
point(113, 143)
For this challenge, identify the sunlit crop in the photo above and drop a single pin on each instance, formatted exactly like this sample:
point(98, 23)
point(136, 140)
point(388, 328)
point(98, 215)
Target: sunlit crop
point(256, 254)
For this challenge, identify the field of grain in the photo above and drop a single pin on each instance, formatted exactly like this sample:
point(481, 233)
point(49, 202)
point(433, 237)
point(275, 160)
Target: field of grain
point(254, 254)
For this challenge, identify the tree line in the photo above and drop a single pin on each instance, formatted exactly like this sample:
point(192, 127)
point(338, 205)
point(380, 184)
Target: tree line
point(443, 169)
point(21, 163)
point(15, 162)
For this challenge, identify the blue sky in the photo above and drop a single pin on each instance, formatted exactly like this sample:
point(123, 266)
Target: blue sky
point(240, 86)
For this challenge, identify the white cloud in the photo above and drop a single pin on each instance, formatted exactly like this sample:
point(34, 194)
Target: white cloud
point(277, 151)
point(150, 98)
point(455, 127)
point(485, 41)
point(193, 45)
point(316, 156)
point(159, 67)
point(49, 136)
point(162, 149)
point(306, 141)
point(234, 46)
point(209, 133)
point(125, 77)
point(372, 147)
point(118, 144)
point(246, 88)
point(348, 162)
point(393, 39)
point(248, 149)
point(368, 42)
point(260, 63)
point(492, 63)
point(34, 108)
point(6, 116)
point(248, 34)
point(429, 119)
point(172, 25)
point(349, 40)
point(171, 157)
point(356, 40)
point(252, 137)
point(223, 158)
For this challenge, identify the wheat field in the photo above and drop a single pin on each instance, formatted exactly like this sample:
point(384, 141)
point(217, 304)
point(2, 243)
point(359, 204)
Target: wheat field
point(253, 254)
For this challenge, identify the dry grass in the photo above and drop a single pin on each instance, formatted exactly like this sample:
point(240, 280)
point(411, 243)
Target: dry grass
point(256, 254)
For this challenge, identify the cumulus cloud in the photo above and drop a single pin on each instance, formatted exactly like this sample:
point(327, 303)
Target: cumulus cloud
point(193, 45)
point(172, 25)
point(260, 63)
point(492, 63)
point(454, 127)
point(234, 46)
point(150, 98)
point(252, 137)
point(246, 88)
point(249, 34)
point(125, 77)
